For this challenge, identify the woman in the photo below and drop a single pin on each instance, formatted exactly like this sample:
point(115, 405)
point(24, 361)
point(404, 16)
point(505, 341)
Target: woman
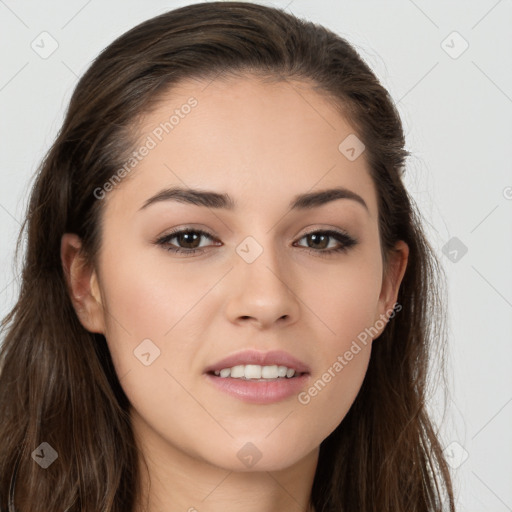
point(227, 295)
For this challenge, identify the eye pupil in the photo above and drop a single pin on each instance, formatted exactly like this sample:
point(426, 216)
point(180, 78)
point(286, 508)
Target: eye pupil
point(315, 238)
point(183, 237)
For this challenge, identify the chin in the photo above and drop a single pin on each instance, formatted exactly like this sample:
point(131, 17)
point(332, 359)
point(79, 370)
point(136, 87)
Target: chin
point(262, 455)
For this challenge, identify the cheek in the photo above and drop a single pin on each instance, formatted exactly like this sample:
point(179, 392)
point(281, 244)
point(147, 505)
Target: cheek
point(150, 337)
point(344, 298)
point(148, 298)
point(342, 354)
point(331, 393)
point(146, 301)
point(344, 304)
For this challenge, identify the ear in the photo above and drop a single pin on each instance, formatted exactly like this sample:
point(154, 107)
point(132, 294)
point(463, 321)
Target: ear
point(392, 279)
point(82, 283)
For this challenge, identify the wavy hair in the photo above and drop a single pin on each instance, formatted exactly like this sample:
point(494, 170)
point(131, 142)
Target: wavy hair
point(57, 381)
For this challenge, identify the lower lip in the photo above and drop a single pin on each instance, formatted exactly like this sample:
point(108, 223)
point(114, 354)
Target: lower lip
point(260, 392)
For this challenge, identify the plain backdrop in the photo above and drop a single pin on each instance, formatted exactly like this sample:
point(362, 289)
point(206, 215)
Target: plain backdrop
point(447, 66)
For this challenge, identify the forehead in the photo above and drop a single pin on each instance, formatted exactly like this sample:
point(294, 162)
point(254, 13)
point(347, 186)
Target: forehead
point(258, 141)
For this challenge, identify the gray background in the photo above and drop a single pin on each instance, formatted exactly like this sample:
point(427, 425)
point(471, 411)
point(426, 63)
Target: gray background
point(456, 105)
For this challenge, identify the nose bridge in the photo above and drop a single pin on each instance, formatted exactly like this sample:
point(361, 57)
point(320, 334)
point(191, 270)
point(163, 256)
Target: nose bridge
point(262, 274)
point(261, 259)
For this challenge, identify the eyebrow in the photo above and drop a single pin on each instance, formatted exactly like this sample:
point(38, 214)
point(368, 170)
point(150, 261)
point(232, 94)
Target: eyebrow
point(217, 200)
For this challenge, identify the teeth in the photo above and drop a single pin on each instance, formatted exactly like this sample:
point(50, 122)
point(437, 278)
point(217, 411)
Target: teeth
point(255, 371)
point(270, 372)
point(237, 371)
point(252, 371)
point(281, 371)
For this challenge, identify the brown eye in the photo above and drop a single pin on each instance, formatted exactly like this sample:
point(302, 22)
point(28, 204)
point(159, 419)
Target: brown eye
point(187, 240)
point(319, 241)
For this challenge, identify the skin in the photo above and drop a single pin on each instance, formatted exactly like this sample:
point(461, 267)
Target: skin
point(263, 144)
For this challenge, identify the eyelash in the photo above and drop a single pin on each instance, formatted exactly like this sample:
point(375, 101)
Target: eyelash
point(346, 241)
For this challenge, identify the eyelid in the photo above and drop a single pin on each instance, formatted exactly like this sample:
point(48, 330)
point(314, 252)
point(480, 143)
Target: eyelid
point(210, 234)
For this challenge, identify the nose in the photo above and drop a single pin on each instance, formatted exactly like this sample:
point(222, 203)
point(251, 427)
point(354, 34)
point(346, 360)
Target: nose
point(263, 290)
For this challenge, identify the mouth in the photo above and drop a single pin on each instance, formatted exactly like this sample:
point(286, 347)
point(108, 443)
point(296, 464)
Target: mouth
point(258, 377)
point(252, 364)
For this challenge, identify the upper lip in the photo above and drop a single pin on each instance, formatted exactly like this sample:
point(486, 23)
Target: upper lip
point(274, 357)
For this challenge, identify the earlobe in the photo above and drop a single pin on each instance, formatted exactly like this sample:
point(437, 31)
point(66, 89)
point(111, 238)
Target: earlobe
point(82, 283)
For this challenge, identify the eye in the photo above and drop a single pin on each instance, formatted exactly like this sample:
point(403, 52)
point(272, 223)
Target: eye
point(320, 238)
point(189, 238)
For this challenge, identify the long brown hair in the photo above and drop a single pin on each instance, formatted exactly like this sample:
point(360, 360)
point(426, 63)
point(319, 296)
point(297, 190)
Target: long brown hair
point(57, 381)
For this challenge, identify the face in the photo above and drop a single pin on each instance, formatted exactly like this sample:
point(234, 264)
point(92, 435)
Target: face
point(262, 275)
